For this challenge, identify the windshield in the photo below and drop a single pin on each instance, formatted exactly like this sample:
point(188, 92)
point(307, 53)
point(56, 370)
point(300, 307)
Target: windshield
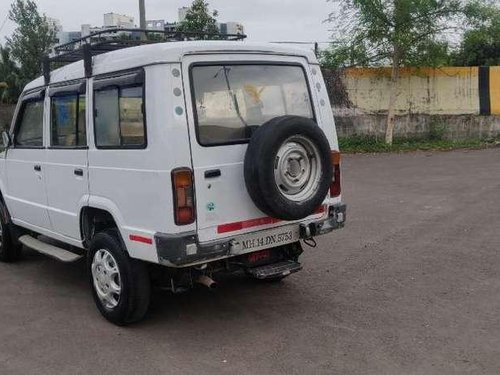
point(232, 100)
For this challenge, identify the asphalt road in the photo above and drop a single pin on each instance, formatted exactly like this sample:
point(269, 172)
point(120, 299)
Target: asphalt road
point(410, 286)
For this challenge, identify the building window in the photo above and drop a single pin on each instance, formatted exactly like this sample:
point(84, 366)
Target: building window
point(119, 117)
point(30, 130)
point(68, 121)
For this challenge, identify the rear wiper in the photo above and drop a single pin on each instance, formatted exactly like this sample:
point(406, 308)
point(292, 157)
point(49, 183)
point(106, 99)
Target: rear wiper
point(235, 100)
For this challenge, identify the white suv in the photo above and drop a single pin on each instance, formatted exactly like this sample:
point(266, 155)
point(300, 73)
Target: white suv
point(169, 163)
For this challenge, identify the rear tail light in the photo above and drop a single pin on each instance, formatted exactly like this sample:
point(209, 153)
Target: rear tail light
point(182, 181)
point(335, 188)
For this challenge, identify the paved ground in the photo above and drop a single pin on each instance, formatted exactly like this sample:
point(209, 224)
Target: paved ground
point(410, 286)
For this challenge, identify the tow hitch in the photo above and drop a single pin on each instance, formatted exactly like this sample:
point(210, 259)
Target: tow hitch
point(336, 220)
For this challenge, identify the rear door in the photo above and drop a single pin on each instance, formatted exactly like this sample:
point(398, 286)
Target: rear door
point(229, 97)
point(66, 166)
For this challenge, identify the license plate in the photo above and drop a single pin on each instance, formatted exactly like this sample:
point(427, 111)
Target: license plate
point(265, 239)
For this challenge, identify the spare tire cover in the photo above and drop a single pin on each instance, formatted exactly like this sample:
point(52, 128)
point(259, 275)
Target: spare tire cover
point(288, 168)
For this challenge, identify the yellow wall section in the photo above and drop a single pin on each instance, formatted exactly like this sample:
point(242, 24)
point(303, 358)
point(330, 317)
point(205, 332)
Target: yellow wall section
point(495, 90)
point(450, 90)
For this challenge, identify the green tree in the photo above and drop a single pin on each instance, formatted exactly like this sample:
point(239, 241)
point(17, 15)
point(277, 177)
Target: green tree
point(31, 40)
point(199, 19)
point(481, 41)
point(9, 77)
point(391, 32)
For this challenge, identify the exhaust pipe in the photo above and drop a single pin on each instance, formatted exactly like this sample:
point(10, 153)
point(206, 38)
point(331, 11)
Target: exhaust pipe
point(206, 281)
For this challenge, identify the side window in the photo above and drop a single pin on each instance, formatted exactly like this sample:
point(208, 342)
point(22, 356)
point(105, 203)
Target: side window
point(68, 126)
point(118, 116)
point(29, 131)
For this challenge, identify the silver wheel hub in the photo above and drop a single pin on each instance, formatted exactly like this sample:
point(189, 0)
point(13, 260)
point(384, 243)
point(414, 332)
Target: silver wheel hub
point(106, 278)
point(297, 168)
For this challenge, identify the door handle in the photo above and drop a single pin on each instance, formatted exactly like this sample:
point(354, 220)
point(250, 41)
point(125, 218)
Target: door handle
point(213, 173)
point(78, 172)
point(37, 168)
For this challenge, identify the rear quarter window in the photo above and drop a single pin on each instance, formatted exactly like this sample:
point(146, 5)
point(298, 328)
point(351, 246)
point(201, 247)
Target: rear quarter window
point(68, 127)
point(119, 117)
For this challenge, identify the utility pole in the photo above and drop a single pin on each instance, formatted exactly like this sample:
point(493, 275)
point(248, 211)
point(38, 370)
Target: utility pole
point(142, 17)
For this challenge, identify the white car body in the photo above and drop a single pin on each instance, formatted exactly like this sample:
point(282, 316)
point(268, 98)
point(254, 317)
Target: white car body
point(135, 185)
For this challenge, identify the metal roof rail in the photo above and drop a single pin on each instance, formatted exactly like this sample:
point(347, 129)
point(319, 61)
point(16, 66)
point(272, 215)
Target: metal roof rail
point(113, 39)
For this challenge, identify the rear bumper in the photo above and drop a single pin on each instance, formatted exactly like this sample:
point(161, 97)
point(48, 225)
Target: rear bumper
point(185, 250)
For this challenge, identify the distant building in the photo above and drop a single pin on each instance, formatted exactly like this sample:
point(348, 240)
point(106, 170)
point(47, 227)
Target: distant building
point(231, 28)
point(54, 24)
point(110, 21)
point(225, 28)
point(156, 25)
point(86, 29)
point(62, 37)
point(182, 13)
point(171, 26)
point(68, 36)
point(118, 20)
point(114, 20)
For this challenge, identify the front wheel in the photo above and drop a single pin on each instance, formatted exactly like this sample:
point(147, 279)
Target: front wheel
point(120, 285)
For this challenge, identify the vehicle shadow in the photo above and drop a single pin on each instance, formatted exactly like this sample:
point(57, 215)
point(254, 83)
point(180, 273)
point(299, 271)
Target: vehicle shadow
point(236, 299)
point(236, 296)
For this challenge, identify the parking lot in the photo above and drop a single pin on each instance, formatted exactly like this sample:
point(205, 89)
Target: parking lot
point(410, 286)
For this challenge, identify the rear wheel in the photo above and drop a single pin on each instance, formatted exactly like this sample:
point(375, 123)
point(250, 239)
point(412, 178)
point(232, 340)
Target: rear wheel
point(120, 285)
point(10, 251)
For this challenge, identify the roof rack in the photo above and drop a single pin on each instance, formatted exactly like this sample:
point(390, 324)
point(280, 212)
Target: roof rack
point(113, 39)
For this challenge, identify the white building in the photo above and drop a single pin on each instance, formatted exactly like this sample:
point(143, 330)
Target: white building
point(155, 25)
point(114, 20)
point(54, 24)
point(182, 13)
point(88, 29)
point(62, 37)
point(118, 20)
point(231, 28)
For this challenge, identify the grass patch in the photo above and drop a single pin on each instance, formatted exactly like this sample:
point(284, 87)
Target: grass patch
point(364, 144)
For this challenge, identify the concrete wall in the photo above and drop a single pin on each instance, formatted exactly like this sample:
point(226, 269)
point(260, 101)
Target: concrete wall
point(430, 91)
point(451, 127)
point(444, 100)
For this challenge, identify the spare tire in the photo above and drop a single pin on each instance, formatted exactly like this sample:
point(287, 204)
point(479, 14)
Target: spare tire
point(288, 168)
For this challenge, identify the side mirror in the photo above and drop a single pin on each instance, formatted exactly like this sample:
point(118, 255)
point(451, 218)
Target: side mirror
point(7, 141)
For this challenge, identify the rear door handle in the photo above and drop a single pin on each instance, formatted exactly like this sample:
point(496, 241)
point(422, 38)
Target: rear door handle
point(213, 173)
point(78, 172)
point(37, 168)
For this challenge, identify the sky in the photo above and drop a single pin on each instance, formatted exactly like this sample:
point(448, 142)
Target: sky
point(264, 20)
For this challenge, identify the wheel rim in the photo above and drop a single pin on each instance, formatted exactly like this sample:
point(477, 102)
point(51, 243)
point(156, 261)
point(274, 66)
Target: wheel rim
point(297, 169)
point(106, 278)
